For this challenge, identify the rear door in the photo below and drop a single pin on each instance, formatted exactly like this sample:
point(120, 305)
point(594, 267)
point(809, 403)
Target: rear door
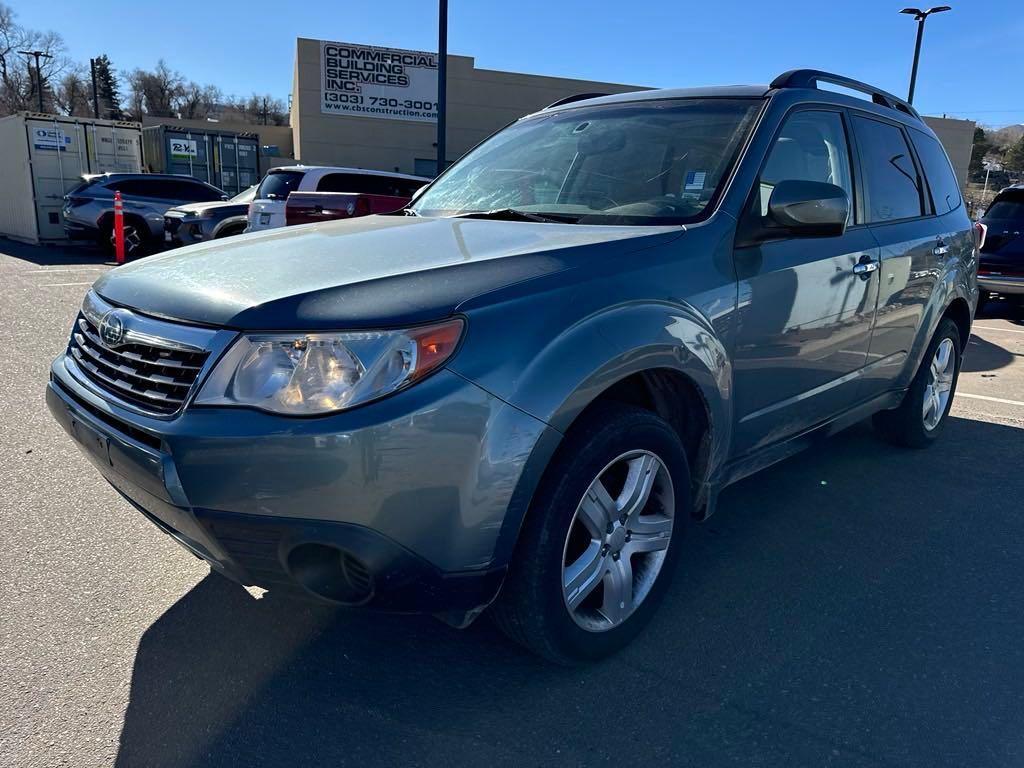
point(914, 244)
point(805, 315)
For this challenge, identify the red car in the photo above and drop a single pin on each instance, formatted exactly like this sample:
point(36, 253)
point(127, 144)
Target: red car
point(309, 207)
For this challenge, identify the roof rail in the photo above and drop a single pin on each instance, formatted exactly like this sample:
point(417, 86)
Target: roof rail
point(809, 78)
point(575, 97)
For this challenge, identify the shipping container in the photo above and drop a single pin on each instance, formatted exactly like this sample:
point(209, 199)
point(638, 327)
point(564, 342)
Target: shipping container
point(45, 156)
point(226, 159)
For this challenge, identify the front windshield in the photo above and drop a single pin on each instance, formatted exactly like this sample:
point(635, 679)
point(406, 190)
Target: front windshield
point(245, 196)
point(642, 163)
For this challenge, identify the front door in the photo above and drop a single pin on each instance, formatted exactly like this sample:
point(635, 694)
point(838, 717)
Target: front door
point(805, 315)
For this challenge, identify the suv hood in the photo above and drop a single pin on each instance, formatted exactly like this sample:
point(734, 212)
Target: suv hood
point(358, 273)
point(200, 208)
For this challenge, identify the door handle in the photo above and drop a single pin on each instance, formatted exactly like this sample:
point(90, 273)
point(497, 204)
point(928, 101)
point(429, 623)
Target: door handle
point(865, 268)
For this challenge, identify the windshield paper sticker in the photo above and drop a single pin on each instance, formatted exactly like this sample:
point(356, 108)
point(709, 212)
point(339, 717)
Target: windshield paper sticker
point(695, 181)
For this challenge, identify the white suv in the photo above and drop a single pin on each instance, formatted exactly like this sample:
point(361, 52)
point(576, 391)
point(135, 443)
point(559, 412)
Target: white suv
point(267, 210)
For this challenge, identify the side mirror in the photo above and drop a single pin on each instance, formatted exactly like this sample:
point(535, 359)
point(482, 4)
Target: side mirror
point(224, 198)
point(809, 208)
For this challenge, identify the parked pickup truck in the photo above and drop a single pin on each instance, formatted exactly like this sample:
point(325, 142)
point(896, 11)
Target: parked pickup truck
point(310, 207)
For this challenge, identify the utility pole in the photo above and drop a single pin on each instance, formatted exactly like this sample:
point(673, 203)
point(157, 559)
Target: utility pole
point(920, 17)
point(95, 90)
point(39, 75)
point(442, 83)
point(264, 110)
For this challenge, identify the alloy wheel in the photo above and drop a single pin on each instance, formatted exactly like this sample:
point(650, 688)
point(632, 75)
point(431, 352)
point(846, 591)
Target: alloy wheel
point(940, 384)
point(618, 540)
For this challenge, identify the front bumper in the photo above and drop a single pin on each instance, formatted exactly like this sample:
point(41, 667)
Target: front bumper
point(1001, 284)
point(405, 504)
point(179, 230)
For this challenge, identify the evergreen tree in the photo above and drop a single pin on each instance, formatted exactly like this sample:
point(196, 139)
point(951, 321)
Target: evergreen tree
point(1014, 160)
point(107, 90)
point(982, 146)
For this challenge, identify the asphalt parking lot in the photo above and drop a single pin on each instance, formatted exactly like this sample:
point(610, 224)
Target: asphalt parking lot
point(860, 605)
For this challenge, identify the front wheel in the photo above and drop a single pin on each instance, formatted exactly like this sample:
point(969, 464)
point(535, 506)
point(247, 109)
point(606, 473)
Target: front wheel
point(921, 416)
point(601, 539)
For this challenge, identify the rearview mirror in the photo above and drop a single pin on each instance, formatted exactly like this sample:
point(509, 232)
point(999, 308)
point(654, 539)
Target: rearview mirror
point(809, 208)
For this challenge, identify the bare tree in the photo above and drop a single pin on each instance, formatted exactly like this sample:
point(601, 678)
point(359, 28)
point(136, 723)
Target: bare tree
point(197, 102)
point(18, 86)
point(156, 91)
point(73, 94)
point(263, 109)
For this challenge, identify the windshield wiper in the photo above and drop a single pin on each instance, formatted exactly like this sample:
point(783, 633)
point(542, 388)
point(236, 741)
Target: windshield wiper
point(514, 214)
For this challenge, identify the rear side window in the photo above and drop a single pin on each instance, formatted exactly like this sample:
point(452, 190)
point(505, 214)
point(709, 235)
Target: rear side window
point(941, 181)
point(367, 184)
point(199, 193)
point(278, 185)
point(138, 188)
point(892, 186)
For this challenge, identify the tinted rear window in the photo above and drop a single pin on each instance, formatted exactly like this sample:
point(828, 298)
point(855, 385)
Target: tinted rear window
point(278, 185)
point(1007, 206)
point(892, 186)
point(941, 181)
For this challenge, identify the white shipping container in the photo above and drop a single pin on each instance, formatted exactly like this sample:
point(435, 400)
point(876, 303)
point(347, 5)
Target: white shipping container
point(43, 157)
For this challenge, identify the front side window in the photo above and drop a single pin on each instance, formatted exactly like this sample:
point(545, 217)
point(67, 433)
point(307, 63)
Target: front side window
point(639, 163)
point(941, 181)
point(892, 187)
point(811, 146)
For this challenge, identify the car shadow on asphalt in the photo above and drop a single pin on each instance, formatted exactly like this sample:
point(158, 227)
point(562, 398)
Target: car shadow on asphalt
point(61, 255)
point(855, 605)
point(982, 355)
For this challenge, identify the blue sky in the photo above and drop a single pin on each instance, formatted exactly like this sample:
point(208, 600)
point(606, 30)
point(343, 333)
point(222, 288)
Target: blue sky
point(972, 62)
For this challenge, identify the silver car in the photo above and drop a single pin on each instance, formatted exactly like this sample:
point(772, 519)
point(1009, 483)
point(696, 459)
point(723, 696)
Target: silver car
point(89, 207)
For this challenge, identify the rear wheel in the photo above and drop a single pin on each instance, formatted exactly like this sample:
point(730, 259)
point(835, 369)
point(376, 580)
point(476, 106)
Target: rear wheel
point(601, 540)
point(921, 416)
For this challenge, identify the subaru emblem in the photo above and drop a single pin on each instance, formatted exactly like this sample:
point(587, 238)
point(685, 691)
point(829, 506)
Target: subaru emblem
point(112, 327)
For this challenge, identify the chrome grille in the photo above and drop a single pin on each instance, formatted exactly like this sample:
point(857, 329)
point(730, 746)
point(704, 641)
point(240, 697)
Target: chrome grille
point(152, 377)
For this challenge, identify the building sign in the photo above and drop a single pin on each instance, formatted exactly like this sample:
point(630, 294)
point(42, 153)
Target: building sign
point(366, 81)
point(183, 148)
point(50, 138)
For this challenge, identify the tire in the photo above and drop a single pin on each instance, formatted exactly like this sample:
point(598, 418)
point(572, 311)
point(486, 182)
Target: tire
point(614, 444)
point(137, 239)
point(911, 425)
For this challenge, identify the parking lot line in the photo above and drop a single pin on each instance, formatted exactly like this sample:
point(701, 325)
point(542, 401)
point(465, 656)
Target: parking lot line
point(60, 285)
point(991, 399)
point(1000, 330)
point(55, 270)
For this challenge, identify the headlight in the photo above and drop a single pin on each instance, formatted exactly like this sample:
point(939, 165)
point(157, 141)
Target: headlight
point(315, 373)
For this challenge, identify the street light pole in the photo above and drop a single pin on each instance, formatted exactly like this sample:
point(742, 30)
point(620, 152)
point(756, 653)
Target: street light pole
point(920, 17)
point(39, 75)
point(442, 83)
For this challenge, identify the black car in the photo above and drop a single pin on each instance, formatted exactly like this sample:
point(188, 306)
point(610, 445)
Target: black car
point(199, 222)
point(1001, 264)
